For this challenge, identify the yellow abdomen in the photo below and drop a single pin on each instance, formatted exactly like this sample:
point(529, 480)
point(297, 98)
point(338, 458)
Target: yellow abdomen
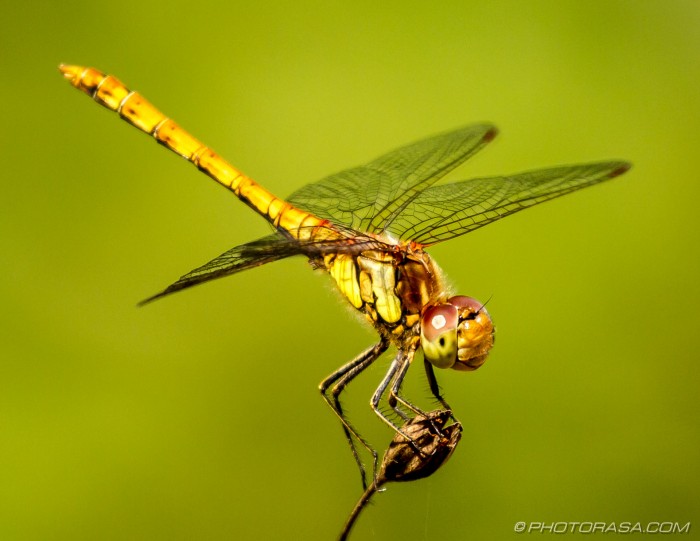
point(137, 111)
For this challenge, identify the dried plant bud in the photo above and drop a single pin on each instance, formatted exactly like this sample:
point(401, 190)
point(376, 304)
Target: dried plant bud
point(405, 460)
point(432, 445)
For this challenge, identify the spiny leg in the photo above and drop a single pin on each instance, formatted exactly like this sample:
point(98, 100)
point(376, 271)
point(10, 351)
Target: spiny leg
point(335, 392)
point(398, 365)
point(434, 387)
point(343, 376)
point(395, 397)
point(392, 398)
point(395, 376)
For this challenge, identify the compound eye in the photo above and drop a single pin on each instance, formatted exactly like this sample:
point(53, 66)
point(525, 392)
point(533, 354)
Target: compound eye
point(438, 334)
point(474, 333)
point(470, 303)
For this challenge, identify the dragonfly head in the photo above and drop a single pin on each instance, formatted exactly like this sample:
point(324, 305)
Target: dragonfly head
point(457, 334)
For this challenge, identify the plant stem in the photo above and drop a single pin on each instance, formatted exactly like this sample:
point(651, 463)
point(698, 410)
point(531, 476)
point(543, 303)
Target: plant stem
point(359, 506)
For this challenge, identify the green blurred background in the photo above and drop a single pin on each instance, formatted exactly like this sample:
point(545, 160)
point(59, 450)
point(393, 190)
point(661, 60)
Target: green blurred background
point(198, 417)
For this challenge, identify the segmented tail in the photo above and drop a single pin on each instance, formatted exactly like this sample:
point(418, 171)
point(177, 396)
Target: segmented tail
point(137, 111)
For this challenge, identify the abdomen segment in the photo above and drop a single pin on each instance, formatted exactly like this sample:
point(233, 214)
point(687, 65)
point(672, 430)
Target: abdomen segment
point(137, 111)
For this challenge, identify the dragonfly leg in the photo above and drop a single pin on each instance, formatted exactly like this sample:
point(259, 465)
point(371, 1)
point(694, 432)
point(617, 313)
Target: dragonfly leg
point(396, 371)
point(394, 396)
point(434, 387)
point(336, 383)
point(349, 430)
point(394, 377)
point(377, 396)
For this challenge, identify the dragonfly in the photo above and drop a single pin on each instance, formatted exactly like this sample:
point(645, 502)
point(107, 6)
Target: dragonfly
point(369, 227)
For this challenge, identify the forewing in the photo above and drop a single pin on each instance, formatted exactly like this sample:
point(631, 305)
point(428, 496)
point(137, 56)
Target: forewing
point(447, 211)
point(272, 248)
point(369, 197)
point(240, 258)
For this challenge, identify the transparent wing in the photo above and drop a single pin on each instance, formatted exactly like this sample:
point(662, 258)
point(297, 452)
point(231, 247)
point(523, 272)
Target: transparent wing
point(240, 258)
point(368, 198)
point(443, 212)
point(271, 248)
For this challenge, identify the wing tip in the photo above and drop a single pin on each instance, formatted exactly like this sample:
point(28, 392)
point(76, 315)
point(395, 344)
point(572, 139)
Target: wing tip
point(620, 169)
point(491, 133)
point(152, 298)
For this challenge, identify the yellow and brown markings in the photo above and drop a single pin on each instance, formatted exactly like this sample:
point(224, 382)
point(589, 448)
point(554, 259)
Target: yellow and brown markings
point(380, 269)
point(137, 111)
point(389, 288)
point(344, 272)
point(419, 282)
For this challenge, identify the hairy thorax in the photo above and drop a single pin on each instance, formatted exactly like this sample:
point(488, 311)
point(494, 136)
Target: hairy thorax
point(389, 287)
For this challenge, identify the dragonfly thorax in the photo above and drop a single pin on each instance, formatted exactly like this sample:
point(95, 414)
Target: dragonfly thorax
point(390, 287)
